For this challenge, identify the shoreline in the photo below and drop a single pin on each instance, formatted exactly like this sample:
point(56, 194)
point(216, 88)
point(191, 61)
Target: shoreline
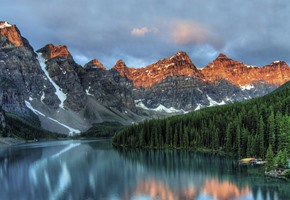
point(9, 141)
point(278, 173)
point(12, 141)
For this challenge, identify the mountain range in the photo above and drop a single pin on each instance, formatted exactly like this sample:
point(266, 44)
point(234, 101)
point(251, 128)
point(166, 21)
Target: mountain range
point(69, 98)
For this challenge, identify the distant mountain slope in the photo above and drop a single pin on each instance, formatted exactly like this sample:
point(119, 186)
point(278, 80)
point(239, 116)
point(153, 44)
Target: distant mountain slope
point(243, 129)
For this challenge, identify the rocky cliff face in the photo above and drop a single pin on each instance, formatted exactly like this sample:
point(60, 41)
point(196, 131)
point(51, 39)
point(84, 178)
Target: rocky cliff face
point(108, 87)
point(20, 74)
point(12, 35)
point(240, 74)
point(276, 73)
point(180, 95)
point(62, 71)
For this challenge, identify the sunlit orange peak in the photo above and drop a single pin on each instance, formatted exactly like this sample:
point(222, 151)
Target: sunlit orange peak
point(11, 33)
point(59, 50)
point(98, 64)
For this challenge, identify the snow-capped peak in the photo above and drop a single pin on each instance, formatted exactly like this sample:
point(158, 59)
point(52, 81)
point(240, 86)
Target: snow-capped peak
point(4, 24)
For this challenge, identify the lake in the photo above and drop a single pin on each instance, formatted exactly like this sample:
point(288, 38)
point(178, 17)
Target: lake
point(93, 169)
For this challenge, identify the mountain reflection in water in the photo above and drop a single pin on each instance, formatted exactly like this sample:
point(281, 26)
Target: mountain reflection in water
point(86, 169)
point(211, 188)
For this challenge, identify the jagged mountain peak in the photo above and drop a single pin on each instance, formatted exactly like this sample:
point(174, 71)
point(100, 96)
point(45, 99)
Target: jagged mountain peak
point(120, 63)
point(94, 64)
point(177, 65)
point(278, 62)
point(12, 33)
point(222, 61)
point(121, 67)
point(181, 55)
point(5, 24)
point(50, 51)
point(226, 61)
point(222, 56)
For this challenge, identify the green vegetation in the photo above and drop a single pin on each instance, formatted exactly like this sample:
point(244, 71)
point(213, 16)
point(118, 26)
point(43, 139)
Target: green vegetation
point(270, 165)
point(287, 174)
point(104, 129)
point(242, 129)
point(278, 162)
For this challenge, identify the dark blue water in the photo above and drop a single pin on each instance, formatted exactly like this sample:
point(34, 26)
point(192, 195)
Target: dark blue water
point(87, 169)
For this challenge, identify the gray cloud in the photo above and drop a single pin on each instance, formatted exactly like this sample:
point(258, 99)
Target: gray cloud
point(189, 32)
point(253, 32)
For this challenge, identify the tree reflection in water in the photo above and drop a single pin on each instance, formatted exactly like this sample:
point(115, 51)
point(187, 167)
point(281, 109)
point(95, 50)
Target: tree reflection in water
point(189, 175)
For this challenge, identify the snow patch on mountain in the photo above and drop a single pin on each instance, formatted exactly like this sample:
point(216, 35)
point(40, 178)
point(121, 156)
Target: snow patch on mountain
point(198, 107)
point(72, 131)
point(5, 24)
point(213, 102)
point(88, 91)
point(160, 108)
point(247, 87)
point(42, 97)
point(61, 96)
point(28, 105)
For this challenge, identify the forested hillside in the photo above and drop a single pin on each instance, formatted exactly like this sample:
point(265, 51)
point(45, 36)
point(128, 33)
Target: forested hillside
point(242, 129)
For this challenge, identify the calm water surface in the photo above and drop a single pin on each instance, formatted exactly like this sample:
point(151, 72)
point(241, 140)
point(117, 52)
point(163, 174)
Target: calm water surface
point(87, 169)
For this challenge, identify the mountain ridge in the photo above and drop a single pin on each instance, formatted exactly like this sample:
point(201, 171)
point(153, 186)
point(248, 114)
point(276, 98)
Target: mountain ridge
point(70, 98)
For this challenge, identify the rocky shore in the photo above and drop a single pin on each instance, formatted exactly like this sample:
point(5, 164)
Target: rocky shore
point(278, 173)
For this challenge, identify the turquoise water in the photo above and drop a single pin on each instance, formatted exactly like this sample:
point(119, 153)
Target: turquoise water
point(92, 169)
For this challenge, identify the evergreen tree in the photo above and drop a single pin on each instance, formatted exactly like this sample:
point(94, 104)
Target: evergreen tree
point(255, 145)
point(244, 141)
point(167, 137)
point(229, 139)
point(261, 137)
point(285, 158)
point(238, 141)
point(281, 159)
point(142, 139)
point(250, 148)
point(175, 143)
point(181, 134)
point(215, 140)
point(271, 129)
point(279, 130)
point(186, 137)
point(270, 165)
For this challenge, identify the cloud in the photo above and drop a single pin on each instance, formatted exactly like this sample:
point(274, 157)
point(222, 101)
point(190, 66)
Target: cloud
point(189, 32)
point(108, 30)
point(138, 32)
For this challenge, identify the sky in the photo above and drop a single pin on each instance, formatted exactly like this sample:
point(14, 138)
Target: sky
point(141, 32)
